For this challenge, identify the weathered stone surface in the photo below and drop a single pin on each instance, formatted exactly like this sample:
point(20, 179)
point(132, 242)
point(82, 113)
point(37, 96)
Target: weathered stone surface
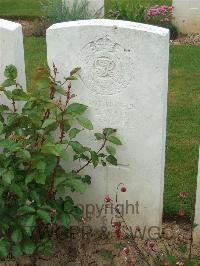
point(196, 234)
point(11, 51)
point(187, 15)
point(123, 80)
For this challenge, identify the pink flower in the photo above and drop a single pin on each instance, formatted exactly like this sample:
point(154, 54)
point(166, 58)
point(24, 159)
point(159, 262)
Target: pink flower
point(126, 250)
point(107, 198)
point(180, 263)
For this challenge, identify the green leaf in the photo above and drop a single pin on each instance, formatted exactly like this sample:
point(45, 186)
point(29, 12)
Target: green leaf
point(17, 190)
point(183, 248)
point(4, 248)
point(24, 154)
point(10, 72)
point(8, 93)
point(76, 184)
point(77, 147)
point(94, 158)
point(51, 148)
point(76, 108)
point(9, 144)
point(73, 132)
point(40, 178)
point(87, 179)
point(8, 83)
point(60, 90)
point(41, 166)
point(45, 247)
point(74, 71)
point(68, 205)
point(99, 136)
point(77, 213)
point(71, 78)
point(48, 122)
point(1, 127)
point(64, 155)
point(86, 123)
point(112, 160)
point(109, 131)
point(65, 219)
point(29, 178)
point(16, 251)
point(19, 95)
point(8, 176)
point(26, 209)
point(111, 150)
point(59, 179)
point(16, 236)
point(114, 140)
point(3, 108)
point(28, 247)
point(29, 223)
point(44, 215)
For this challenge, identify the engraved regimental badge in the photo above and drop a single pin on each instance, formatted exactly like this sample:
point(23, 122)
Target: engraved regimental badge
point(105, 66)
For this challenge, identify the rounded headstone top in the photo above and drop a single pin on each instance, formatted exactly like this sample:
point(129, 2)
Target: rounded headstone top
point(9, 25)
point(112, 23)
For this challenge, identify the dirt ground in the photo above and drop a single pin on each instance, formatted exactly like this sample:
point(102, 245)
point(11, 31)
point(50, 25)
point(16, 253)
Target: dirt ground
point(96, 249)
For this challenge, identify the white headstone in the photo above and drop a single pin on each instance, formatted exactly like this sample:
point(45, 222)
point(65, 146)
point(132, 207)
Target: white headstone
point(187, 15)
point(196, 234)
point(11, 51)
point(124, 81)
point(94, 6)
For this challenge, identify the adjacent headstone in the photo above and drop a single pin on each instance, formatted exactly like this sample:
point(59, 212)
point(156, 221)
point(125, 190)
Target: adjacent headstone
point(196, 234)
point(124, 81)
point(95, 7)
point(11, 51)
point(187, 15)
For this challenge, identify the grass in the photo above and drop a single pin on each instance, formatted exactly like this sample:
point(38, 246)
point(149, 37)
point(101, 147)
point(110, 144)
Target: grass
point(183, 124)
point(183, 129)
point(21, 8)
point(33, 8)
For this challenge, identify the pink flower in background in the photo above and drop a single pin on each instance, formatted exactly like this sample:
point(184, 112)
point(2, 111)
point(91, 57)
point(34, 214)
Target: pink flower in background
point(159, 14)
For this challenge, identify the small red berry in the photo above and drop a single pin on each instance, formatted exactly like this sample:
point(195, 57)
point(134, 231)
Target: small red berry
point(84, 221)
point(52, 211)
point(123, 189)
point(181, 212)
point(107, 198)
point(183, 194)
point(126, 250)
point(166, 263)
point(118, 233)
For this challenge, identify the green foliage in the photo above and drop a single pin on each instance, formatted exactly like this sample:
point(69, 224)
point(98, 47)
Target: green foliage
point(127, 10)
point(173, 30)
point(33, 182)
point(59, 10)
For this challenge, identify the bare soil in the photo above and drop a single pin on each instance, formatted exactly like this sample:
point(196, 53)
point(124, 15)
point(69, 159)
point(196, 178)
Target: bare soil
point(84, 249)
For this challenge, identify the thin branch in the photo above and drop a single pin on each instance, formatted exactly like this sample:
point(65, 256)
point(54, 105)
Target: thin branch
point(89, 161)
